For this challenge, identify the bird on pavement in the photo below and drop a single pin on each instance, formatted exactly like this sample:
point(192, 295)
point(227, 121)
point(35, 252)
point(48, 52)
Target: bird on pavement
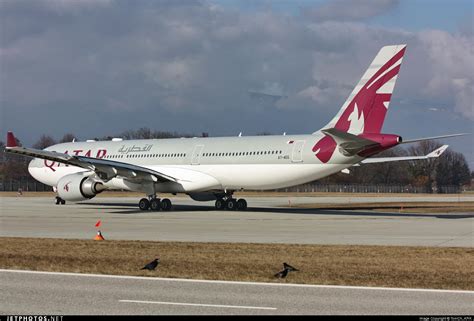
point(286, 268)
point(152, 265)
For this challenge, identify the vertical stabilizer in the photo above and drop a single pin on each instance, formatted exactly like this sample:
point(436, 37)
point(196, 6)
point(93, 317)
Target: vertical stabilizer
point(364, 111)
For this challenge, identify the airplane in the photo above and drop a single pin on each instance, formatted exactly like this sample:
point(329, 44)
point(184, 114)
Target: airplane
point(210, 168)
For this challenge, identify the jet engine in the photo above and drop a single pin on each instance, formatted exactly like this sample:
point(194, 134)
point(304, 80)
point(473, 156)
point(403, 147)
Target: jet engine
point(79, 187)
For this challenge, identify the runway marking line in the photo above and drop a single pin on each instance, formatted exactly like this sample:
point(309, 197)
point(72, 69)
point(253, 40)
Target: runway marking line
point(200, 305)
point(346, 287)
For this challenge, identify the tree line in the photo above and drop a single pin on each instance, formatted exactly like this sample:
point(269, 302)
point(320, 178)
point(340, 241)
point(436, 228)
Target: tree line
point(451, 168)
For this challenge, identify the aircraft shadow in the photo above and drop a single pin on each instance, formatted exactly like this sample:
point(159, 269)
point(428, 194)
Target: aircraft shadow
point(121, 208)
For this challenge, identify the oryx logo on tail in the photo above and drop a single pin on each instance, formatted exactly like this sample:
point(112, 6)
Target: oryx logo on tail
point(364, 111)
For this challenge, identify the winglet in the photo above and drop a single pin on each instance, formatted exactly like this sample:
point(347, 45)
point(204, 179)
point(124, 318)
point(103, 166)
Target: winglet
point(438, 152)
point(11, 140)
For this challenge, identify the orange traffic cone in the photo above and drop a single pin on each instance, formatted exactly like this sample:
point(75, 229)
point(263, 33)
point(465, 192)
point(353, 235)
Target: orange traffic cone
point(99, 236)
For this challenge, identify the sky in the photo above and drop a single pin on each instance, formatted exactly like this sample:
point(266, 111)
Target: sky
point(99, 67)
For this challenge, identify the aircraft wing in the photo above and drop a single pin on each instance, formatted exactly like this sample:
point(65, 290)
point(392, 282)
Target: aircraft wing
point(433, 154)
point(105, 169)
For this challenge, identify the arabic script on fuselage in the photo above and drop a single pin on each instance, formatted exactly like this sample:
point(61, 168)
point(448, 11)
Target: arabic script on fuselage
point(135, 149)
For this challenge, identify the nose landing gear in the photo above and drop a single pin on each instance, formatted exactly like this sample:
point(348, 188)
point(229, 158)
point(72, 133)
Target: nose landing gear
point(59, 200)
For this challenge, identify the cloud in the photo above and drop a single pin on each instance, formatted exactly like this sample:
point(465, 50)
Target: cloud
point(174, 65)
point(452, 72)
point(349, 10)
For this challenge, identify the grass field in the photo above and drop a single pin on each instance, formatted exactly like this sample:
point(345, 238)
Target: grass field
point(387, 266)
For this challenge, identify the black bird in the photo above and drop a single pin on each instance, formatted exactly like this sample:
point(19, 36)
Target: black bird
point(286, 268)
point(289, 267)
point(282, 274)
point(152, 265)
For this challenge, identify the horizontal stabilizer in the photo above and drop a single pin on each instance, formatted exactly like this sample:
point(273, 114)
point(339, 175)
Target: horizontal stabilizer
point(433, 154)
point(431, 138)
point(349, 144)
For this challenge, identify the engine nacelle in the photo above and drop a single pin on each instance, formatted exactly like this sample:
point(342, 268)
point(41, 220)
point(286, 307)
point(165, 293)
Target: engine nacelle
point(78, 187)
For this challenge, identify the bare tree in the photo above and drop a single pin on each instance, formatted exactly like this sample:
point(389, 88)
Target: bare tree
point(379, 173)
point(67, 138)
point(44, 141)
point(146, 133)
point(424, 172)
point(452, 169)
point(2, 153)
point(389, 172)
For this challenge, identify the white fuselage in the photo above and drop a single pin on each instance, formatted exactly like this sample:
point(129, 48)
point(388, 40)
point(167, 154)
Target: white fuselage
point(204, 164)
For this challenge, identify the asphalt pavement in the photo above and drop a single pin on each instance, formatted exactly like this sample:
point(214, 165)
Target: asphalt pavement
point(264, 222)
point(48, 293)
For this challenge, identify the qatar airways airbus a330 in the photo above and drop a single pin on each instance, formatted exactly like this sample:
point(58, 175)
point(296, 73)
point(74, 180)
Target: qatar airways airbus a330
point(213, 168)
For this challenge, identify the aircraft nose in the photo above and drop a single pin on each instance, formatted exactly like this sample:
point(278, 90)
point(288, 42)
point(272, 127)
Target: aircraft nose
point(41, 173)
point(34, 168)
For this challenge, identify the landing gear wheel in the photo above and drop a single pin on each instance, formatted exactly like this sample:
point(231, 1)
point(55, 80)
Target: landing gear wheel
point(231, 204)
point(144, 204)
point(155, 204)
point(59, 200)
point(241, 204)
point(220, 204)
point(166, 204)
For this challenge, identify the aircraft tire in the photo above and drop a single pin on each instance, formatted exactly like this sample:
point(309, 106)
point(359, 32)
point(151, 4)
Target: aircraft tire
point(220, 204)
point(241, 204)
point(155, 204)
point(166, 204)
point(144, 204)
point(231, 204)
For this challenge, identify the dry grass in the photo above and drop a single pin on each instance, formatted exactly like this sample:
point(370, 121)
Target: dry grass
point(389, 266)
point(28, 194)
point(401, 207)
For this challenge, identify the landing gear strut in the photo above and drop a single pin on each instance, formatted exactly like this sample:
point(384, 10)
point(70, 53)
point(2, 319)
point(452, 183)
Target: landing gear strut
point(155, 204)
point(231, 204)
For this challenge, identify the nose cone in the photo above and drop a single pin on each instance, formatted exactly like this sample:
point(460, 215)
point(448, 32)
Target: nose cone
point(34, 169)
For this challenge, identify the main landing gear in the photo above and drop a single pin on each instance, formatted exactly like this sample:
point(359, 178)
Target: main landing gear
point(231, 204)
point(155, 204)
